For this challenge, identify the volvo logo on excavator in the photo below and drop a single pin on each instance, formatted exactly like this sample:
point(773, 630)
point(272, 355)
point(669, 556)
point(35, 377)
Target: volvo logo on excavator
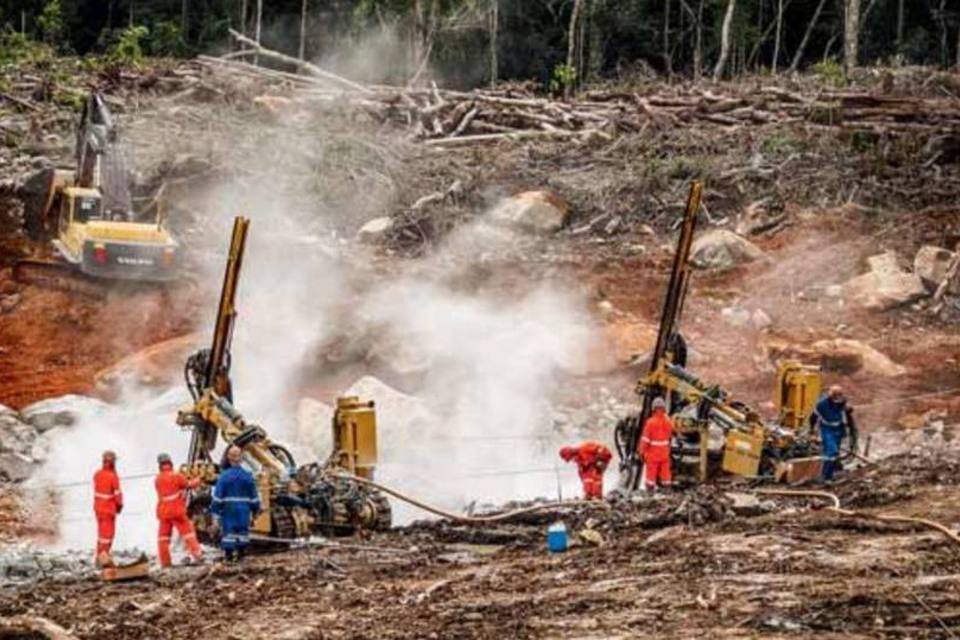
point(135, 261)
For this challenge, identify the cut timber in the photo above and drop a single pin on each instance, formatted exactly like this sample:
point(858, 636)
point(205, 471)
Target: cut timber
point(298, 64)
point(139, 568)
point(33, 627)
point(506, 137)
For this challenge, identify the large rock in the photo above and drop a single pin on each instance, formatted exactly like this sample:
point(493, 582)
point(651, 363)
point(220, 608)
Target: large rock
point(931, 265)
point(21, 447)
point(537, 211)
point(375, 230)
point(886, 285)
point(722, 249)
point(847, 356)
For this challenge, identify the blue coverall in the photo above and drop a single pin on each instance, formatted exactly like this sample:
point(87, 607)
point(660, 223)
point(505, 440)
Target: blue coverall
point(235, 500)
point(832, 419)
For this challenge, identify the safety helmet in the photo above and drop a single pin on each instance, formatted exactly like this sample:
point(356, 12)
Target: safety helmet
point(164, 458)
point(109, 455)
point(658, 403)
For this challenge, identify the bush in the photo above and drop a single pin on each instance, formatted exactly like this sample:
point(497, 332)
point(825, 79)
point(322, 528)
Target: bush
point(167, 40)
point(128, 49)
point(829, 72)
point(50, 22)
point(564, 76)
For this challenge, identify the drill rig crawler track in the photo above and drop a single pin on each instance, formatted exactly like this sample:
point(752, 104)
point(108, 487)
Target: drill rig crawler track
point(297, 501)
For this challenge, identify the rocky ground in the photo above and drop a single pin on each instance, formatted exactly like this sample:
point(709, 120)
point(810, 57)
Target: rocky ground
point(804, 251)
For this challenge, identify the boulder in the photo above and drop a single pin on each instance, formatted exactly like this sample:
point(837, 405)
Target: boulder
point(48, 414)
point(736, 316)
point(19, 442)
point(847, 356)
point(722, 249)
point(886, 285)
point(931, 265)
point(534, 211)
point(761, 320)
point(375, 230)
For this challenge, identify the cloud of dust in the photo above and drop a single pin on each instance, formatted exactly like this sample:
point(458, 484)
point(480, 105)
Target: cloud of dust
point(495, 359)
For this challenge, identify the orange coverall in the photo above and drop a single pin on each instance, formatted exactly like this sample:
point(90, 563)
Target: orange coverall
point(172, 513)
point(655, 449)
point(592, 459)
point(107, 503)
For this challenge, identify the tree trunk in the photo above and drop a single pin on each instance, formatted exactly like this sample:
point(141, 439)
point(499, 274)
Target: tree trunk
point(667, 62)
point(571, 49)
point(899, 26)
point(244, 9)
point(494, 31)
point(776, 40)
point(798, 56)
point(942, 19)
point(958, 49)
point(724, 40)
point(851, 35)
point(130, 20)
point(303, 30)
point(698, 45)
point(256, 28)
point(184, 13)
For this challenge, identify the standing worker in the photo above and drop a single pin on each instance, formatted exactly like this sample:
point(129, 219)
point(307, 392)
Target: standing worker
point(592, 459)
point(107, 503)
point(835, 419)
point(655, 447)
point(235, 502)
point(172, 510)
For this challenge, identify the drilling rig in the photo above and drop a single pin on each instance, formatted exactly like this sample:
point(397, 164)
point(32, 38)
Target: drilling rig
point(714, 432)
point(297, 500)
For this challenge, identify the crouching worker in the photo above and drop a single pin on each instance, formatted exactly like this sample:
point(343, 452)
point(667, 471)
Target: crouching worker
point(592, 459)
point(172, 511)
point(235, 502)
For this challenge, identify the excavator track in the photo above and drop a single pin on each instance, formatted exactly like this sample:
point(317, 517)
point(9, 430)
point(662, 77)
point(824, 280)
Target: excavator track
point(58, 275)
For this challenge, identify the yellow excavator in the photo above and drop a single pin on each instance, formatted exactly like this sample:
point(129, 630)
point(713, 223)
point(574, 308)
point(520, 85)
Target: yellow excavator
point(87, 213)
point(297, 501)
point(715, 433)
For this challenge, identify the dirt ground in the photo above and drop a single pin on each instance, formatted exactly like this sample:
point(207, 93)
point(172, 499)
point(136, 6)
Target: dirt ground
point(679, 565)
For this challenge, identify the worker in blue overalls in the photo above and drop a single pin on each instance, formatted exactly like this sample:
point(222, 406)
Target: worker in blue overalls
point(835, 419)
point(235, 503)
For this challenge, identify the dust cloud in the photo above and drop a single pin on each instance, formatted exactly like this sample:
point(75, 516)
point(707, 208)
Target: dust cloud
point(478, 425)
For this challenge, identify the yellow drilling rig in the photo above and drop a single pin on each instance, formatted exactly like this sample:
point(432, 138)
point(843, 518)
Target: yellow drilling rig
point(714, 431)
point(297, 500)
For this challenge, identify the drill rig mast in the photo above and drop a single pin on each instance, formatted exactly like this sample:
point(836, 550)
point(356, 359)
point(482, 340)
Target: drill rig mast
point(297, 500)
point(748, 446)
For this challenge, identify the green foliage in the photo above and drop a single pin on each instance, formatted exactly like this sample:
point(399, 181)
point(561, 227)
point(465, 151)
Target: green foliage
point(167, 40)
point(781, 142)
point(128, 49)
point(829, 72)
point(51, 23)
point(564, 76)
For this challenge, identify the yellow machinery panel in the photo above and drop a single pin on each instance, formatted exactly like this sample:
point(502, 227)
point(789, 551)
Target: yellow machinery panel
point(797, 392)
point(741, 453)
point(355, 436)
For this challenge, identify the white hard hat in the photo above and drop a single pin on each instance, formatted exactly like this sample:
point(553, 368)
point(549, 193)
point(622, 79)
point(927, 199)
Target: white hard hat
point(658, 403)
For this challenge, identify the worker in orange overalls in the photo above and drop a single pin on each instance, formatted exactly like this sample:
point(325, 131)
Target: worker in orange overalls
point(107, 503)
point(172, 510)
point(655, 446)
point(592, 459)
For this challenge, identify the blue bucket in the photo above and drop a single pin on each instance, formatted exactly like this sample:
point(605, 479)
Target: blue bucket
point(557, 537)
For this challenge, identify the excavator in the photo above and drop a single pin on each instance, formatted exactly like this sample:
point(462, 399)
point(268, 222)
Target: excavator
point(297, 500)
point(87, 212)
point(714, 432)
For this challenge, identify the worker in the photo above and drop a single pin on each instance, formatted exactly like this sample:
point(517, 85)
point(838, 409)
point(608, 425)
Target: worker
point(592, 459)
point(655, 447)
point(172, 511)
point(235, 502)
point(835, 419)
point(107, 503)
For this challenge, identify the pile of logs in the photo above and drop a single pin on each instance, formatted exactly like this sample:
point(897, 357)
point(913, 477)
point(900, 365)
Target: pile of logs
point(453, 118)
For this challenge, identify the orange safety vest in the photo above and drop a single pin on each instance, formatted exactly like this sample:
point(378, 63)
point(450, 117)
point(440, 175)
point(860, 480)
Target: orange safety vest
point(106, 492)
point(655, 442)
point(171, 499)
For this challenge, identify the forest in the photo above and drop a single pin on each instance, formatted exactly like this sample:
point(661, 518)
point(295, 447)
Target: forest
point(557, 44)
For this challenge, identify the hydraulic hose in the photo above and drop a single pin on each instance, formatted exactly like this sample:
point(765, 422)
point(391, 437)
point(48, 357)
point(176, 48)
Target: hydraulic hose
point(499, 517)
point(836, 508)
